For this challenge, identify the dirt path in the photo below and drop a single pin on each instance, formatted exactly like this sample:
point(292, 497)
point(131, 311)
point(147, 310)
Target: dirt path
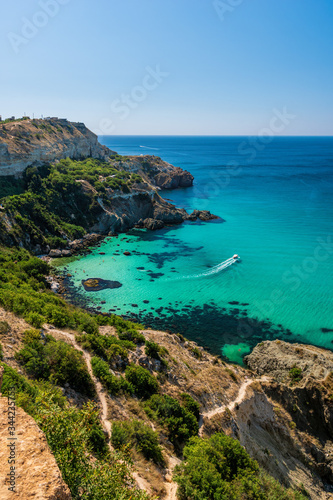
point(99, 388)
point(170, 486)
point(140, 481)
point(220, 409)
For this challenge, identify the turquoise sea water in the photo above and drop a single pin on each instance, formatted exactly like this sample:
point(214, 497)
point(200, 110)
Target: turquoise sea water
point(277, 203)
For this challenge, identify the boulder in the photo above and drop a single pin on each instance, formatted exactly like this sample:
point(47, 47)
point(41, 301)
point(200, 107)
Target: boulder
point(153, 224)
point(55, 253)
point(203, 215)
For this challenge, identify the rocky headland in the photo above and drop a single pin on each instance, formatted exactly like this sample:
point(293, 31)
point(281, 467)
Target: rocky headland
point(29, 148)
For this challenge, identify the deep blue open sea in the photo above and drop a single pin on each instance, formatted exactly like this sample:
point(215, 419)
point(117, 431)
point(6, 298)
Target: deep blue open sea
point(277, 203)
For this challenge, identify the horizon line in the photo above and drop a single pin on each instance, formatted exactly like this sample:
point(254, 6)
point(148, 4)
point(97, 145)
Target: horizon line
point(206, 135)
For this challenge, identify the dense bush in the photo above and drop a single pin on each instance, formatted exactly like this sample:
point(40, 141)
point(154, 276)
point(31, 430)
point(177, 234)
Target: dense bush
point(113, 384)
point(132, 335)
point(24, 291)
point(191, 405)
point(138, 435)
point(144, 384)
point(1, 352)
point(180, 422)
point(219, 468)
point(105, 346)
point(54, 360)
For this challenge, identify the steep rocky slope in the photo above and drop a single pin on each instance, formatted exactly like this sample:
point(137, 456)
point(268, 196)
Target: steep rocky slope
point(232, 399)
point(285, 420)
point(36, 474)
point(115, 193)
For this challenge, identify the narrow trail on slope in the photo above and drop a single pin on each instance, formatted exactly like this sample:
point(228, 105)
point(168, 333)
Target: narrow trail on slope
point(140, 481)
point(170, 486)
point(220, 409)
point(99, 388)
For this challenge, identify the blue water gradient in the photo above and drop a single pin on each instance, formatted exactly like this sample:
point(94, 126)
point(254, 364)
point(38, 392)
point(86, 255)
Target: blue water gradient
point(276, 198)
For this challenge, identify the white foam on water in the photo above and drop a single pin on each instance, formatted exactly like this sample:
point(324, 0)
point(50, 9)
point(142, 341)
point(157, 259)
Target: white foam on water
point(214, 270)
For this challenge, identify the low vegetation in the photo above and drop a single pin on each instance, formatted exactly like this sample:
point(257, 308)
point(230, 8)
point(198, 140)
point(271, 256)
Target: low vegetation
point(139, 436)
point(45, 358)
point(219, 468)
point(296, 374)
point(113, 384)
point(179, 421)
point(143, 382)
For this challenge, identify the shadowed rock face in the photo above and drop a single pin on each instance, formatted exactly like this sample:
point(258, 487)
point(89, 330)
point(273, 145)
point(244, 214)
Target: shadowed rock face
point(160, 173)
point(36, 142)
point(299, 432)
point(175, 179)
point(37, 473)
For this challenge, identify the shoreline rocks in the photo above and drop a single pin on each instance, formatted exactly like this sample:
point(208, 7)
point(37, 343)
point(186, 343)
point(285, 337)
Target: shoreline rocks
point(203, 215)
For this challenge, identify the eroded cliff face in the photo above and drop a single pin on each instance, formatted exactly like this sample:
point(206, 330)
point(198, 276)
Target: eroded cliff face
point(36, 474)
point(36, 142)
point(287, 423)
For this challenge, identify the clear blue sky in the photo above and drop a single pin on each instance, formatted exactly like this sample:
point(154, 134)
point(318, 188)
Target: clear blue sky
point(225, 66)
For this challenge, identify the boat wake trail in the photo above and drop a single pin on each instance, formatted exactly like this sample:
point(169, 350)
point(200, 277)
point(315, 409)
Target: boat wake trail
point(147, 147)
point(214, 270)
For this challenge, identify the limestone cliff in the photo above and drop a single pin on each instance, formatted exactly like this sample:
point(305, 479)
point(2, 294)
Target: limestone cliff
point(287, 420)
point(36, 142)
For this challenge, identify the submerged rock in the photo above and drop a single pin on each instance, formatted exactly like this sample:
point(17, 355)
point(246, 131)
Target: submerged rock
point(97, 284)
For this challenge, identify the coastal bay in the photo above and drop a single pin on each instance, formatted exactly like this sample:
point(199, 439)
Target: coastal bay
point(277, 211)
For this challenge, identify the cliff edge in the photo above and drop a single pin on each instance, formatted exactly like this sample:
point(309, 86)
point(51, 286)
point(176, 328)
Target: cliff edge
point(37, 142)
point(34, 471)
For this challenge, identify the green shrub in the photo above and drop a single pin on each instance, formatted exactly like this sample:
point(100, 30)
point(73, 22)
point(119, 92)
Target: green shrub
point(112, 383)
point(132, 335)
point(54, 360)
point(152, 350)
point(1, 352)
point(35, 319)
point(296, 374)
point(4, 327)
point(180, 422)
point(144, 384)
point(56, 242)
point(191, 405)
point(105, 346)
point(138, 435)
point(220, 468)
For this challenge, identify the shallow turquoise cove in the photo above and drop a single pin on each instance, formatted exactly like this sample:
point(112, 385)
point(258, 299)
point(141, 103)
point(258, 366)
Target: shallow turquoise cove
point(278, 214)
